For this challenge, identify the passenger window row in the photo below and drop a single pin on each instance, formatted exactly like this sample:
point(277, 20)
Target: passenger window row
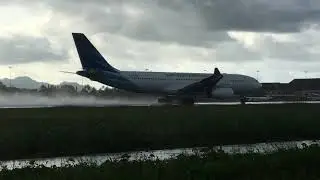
point(180, 79)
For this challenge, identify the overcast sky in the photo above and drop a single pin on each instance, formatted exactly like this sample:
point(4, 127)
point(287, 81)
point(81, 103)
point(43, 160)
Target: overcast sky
point(280, 39)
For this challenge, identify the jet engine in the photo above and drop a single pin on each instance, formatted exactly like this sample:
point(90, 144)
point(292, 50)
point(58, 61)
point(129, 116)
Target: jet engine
point(222, 93)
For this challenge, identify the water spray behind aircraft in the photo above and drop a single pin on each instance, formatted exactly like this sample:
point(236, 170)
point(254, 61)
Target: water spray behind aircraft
point(25, 100)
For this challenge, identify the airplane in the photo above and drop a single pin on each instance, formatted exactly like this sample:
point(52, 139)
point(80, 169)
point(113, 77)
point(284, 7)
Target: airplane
point(182, 88)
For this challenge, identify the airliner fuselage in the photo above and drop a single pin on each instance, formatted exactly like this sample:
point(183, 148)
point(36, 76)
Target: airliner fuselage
point(184, 86)
point(169, 82)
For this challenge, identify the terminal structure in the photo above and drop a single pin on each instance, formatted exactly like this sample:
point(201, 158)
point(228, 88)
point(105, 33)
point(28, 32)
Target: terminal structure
point(297, 89)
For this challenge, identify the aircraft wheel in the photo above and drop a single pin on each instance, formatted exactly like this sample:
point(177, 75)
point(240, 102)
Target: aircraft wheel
point(162, 100)
point(187, 101)
point(184, 101)
point(165, 101)
point(243, 100)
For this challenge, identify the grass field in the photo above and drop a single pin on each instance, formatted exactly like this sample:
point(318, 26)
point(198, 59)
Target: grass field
point(47, 132)
point(284, 164)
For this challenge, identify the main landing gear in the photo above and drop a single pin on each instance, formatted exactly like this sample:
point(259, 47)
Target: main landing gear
point(176, 101)
point(187, 101)
point(243, 100)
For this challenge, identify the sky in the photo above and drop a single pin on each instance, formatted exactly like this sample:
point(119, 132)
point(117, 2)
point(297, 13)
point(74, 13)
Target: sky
point(274, 41)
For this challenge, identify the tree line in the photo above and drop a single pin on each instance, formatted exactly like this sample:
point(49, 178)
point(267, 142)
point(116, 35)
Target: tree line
point(70, 90)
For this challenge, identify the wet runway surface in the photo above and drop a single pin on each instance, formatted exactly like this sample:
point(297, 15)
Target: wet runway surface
point(25, 101)
point(119, 104)
point(266, 102)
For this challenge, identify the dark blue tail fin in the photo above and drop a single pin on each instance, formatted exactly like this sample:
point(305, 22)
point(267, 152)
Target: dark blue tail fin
point(89, 56)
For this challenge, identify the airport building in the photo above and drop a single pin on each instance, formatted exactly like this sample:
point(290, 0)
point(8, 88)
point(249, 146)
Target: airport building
point(297, 88)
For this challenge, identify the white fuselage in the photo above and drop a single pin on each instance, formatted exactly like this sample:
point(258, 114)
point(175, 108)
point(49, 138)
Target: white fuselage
point(96, 68)
point(168, 82)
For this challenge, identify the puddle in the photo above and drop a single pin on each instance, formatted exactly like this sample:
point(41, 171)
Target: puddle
point(154, 155)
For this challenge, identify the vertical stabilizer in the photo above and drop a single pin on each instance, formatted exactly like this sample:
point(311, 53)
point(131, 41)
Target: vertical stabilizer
point(89, 56)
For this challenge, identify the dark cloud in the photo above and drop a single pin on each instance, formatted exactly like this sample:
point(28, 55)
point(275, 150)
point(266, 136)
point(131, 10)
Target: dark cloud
point(199, 23)
point(190, 22)
point(235, 52)
point(253, 15)
point(24, 49)
point(141, 20)
point(215, 15)
point(290, 51)
point(298, 47)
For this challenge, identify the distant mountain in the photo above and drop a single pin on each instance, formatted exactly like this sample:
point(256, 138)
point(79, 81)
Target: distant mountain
point(25, 82)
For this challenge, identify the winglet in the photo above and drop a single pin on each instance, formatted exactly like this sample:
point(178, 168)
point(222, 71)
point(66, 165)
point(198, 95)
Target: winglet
point(215, 77)
point(205, 83)
point(216, 72)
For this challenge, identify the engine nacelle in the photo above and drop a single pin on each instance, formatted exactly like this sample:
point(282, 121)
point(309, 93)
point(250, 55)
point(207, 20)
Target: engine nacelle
point(222, 93)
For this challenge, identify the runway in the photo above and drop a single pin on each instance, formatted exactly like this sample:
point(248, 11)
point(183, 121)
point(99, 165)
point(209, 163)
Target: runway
point(112, 104)
point(28, 101)
point(262, 102)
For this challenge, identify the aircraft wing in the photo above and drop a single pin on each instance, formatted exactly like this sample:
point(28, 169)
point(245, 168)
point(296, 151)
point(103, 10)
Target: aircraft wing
point(206, 83)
